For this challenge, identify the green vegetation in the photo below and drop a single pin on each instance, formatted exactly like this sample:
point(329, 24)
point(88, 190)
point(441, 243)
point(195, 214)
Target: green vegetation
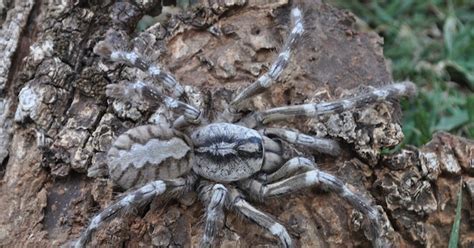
point(432, 44)
point(454, 236)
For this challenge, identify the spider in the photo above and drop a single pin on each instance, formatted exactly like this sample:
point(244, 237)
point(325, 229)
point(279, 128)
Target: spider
point(228, 163)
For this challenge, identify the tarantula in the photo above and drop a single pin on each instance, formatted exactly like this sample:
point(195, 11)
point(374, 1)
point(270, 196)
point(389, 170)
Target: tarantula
point(229, 161)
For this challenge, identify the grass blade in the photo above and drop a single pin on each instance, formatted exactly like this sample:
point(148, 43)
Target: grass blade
point(454, 237)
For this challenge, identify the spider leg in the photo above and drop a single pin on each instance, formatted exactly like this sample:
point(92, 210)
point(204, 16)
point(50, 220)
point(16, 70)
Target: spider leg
point(312, 110)
point(214, 196)
point(273, 154)
point(267, 79)
point(140, 90)
point(241, 206)
point(316, 177)
point(293, 166)
point(327, 146)
point(133, 199)
point(109, 49)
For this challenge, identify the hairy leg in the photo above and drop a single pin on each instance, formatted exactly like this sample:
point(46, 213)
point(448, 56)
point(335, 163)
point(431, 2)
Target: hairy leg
point(291, 167)
point(139, 91)
point(112, 48)
point(316, 177)
point(133, 199)
point(239, 205)
point(267, 79)
point(214, 196)
point(312, 110)
point(273, 153)
point(327, 146)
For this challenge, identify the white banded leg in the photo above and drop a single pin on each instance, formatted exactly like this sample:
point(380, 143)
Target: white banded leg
point(312, 110)
point(267, 79)
point(319, 178)
point(109, 49)
point(315, 177)
point(291, 167)
point(327, 146)
point(131, 200)
point(273, 153)
point(262, 219)
point(214, 212)
point(140, 90)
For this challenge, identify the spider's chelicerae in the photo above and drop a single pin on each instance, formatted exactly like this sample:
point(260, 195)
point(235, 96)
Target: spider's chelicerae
point(230, 161)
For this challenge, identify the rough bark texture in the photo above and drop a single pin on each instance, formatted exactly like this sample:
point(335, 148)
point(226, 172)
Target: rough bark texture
point(56, 125)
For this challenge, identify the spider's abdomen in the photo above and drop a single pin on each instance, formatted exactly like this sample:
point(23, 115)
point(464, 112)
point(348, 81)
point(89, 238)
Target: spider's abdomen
point(148, 153)
point(225, 152)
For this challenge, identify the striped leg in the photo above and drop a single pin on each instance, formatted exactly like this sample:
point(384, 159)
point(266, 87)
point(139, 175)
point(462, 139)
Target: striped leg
point(273, 155)
point(327, 146)
point(315, 177)
point(312, 110)
point(113, 48)
point(267, 79)
point(215, 199)
point(133, 199)
point(138, 91)
point(264, 220)
point(292, 167)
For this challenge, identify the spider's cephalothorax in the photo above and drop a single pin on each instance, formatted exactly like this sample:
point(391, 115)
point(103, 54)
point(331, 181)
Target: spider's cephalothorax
point(226, 162)
point(226, 152)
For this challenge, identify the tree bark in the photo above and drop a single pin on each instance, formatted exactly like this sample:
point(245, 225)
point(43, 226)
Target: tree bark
point(56, 124)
